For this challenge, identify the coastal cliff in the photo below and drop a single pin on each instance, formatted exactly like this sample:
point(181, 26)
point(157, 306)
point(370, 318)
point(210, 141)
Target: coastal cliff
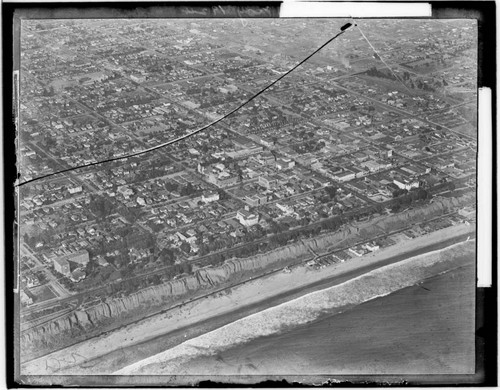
point(350, 234)
point(182, 359)
point(117, 311)
point(67, 328)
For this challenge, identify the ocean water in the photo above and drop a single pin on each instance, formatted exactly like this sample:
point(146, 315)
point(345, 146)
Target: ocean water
point(423, 329)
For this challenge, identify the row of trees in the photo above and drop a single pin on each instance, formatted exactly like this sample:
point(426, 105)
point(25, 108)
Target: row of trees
point(374, 72)
point(282, 235)
point(413, 83)
point(403, 198)
point(183, 190)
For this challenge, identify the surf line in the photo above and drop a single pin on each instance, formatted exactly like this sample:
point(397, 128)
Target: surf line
point(343, 29)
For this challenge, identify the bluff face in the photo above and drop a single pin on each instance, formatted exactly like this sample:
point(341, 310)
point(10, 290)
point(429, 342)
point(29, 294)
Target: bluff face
point(82, 324)
point(71, 327)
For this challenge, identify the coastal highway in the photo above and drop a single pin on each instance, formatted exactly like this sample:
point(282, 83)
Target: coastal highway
point(124, 356)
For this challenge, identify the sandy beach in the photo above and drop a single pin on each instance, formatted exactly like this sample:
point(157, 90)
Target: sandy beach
point(300, 311)
point(432, 323)
point(67, 361)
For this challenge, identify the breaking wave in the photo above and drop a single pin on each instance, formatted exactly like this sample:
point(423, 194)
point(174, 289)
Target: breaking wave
point(300, 311)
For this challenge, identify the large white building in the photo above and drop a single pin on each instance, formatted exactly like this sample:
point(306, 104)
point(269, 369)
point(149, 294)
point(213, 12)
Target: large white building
point(406, 184)
point(346, 175)
point(66, 263)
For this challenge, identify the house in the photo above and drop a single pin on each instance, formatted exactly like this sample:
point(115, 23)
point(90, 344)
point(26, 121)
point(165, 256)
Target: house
point(77, 275)
point(32, 281)
point(222, 180)
point(467, 212)
point(25, 298)
point(306, 159)
point(266, 158)
point(414, 170)
point(189, 236)
point(255, 200)
point(102, 262)
point(371, 246)
point(284, 163)
point(374, 166)
point(75, 190)
point(266, 142)
point(357, 251)
point(228, 88)
point(272, 181)
point(137, 77)
point(247, 218)
point(267, 181)
point(285, 208)
point(210, 196)
point(125, 191)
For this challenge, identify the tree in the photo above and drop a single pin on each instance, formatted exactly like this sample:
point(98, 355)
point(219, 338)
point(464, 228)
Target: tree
point(154, 279)
point(223, 195)
point(239, 172)
point(203, 250)
point(186, 268)
point(189, 189)
point(331, 191)
point(167, 256)
point(185, 247)
point(90, 267)
point(399, 192)
point(395, 207)
point(49, 141)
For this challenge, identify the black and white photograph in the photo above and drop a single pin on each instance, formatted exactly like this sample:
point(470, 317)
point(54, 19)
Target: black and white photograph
point(228, 195)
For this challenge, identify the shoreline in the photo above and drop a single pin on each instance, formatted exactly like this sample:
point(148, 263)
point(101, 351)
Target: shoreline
point(359, 339)
point(304, 310)
point(200, 317)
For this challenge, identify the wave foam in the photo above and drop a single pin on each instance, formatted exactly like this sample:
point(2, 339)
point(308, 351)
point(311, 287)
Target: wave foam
point(299, 311)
